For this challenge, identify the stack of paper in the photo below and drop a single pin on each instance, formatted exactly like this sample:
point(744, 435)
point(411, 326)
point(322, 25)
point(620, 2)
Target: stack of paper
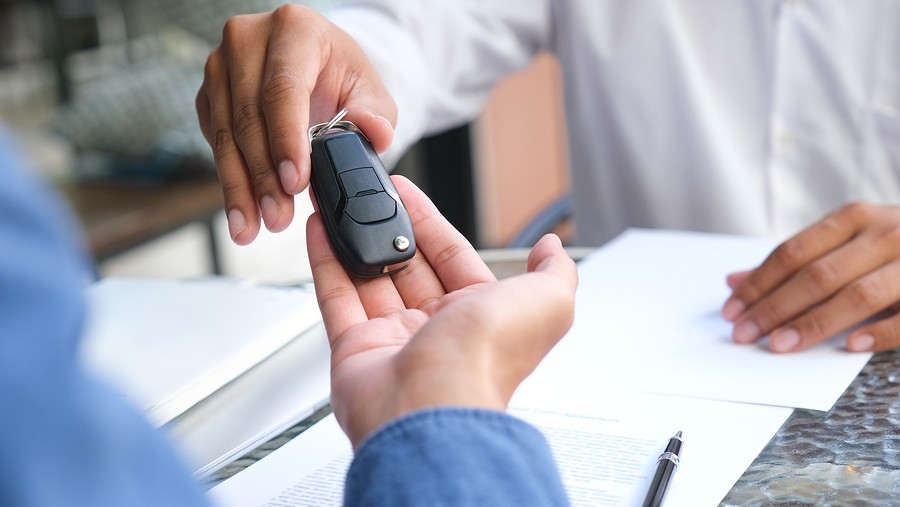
point(166, 345)
point(648, 355)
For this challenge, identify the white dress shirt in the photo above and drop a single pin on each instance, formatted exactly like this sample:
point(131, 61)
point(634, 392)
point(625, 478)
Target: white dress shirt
point(742, 116)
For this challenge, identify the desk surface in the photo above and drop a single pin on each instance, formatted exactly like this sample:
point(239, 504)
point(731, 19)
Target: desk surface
point(849, 455)
point(118, 216)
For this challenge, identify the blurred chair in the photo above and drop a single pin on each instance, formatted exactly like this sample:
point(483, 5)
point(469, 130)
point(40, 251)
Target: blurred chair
point(546, 221)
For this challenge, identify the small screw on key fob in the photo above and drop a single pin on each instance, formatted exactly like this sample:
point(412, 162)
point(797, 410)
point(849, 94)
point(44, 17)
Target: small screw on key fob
point(363, 214)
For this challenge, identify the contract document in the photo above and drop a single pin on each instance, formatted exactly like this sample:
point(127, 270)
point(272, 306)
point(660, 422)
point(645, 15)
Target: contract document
point(606, 450)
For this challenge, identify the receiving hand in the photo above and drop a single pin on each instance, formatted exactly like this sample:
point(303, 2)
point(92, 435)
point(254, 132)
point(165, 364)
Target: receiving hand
point(834, 275)
point(274, 74)
point(444, 332)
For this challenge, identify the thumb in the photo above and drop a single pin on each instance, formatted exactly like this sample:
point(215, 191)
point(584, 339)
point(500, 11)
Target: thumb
point(549, 256)
point(376, 126)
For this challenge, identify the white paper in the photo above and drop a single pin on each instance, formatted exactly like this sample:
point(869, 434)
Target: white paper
point(167, 344)
point(606, 450)
point(648, 318)
point(313, 464)
point(257, 406)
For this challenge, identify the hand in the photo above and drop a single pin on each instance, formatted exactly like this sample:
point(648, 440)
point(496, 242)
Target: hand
point(832, 276)
point(444, 331)
point(274, 74)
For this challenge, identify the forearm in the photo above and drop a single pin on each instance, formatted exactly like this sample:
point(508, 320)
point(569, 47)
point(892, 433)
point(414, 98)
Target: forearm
point(441, 59)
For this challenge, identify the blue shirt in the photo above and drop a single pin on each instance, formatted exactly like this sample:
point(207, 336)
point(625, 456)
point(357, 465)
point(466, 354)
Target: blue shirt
point(66, 439)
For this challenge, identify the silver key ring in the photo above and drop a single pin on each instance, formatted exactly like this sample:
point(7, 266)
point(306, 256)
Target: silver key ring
point(335, 123)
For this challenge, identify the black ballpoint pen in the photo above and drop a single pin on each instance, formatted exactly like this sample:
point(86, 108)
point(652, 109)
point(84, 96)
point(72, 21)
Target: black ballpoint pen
point(665, 468)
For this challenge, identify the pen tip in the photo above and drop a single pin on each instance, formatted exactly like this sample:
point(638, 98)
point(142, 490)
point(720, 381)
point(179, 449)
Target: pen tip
point(678, 435)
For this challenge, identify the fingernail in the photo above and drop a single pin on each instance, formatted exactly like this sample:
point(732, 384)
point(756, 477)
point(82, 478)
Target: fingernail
point(383, 120)
point(861, 343)
point(290, 177)
point(784, 340)
point(732, 309)
point(746, 332)
point(270, 210)
point(236, 223)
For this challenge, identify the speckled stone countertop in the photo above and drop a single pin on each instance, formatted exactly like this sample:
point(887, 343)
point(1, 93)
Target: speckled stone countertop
point(847, 456)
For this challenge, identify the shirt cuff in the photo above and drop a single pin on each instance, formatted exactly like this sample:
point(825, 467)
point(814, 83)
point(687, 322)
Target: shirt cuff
point(455, 455)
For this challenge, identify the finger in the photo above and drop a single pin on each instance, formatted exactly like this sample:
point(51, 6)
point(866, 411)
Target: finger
point(243, 43)
point(337, 296)
point(795, 253)
point(450, 255)
point(733, 307)
point(241, 208)
point(292, 68)
point(379, 296)
point(419, 285)
point(732, 280)
point(378, 129)
point(201, 104)
point(548, 255)
point(882, 335)
point(853, 304)
point(813, 284)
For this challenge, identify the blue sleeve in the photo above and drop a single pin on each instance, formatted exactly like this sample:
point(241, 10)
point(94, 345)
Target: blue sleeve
point(64, 438)
point(455, 456)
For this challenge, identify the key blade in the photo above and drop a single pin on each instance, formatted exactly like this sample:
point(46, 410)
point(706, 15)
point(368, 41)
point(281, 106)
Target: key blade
point(325, 128)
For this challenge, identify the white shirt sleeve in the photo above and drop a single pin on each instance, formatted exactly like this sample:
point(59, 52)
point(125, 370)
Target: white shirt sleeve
point(441, 58)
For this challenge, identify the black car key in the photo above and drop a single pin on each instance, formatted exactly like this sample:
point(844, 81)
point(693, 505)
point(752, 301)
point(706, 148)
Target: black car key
point(363, 214)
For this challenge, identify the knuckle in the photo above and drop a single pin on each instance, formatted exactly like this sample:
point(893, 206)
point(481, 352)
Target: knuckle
point(278, 86)
point(865, 294)
point(823, 275)
point(293, 14)
point(223, 143)
point(262, 176)
point(892, 237)
point(248, 120)
point(856, 212)
point(233, 29)
point(832, 223)
point(446, 256)
point(791, 253)
point(213, 66)
point(232, 191)
point(290, 12)
point(814, 327)
point(750, 290)
point(768, 315)
point(279, 137)
point(333, 294)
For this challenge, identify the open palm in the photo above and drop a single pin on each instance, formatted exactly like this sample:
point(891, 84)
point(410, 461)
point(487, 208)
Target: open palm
point(444, 331)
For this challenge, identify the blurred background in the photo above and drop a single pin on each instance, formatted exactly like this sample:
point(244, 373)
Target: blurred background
point(101, 95)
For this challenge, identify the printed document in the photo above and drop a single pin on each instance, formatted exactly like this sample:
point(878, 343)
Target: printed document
point(606, 451)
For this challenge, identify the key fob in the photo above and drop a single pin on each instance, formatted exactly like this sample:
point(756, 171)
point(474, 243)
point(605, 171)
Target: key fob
point(366, 221)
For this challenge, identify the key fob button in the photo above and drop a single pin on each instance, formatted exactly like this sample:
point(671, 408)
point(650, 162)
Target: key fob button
point(371, 208)
point(359, 182)
point(347, 153)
